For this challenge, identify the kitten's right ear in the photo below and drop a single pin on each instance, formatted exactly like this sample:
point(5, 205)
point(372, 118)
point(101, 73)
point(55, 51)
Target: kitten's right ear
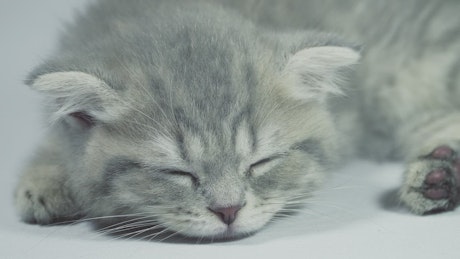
point(314, 63)
point(315, 72)
point(77, 95)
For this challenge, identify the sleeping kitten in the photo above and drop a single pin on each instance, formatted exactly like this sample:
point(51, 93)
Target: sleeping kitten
point(207, 118)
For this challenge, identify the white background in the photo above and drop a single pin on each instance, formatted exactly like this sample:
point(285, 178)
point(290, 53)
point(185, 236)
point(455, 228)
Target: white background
point(355, 215)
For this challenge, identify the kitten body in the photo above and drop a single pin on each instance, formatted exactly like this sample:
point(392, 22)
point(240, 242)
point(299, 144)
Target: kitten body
point(208, 120)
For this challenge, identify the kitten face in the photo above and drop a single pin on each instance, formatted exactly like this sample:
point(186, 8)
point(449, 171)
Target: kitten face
point(180, 164)
point(203, 126)
point(180, 179)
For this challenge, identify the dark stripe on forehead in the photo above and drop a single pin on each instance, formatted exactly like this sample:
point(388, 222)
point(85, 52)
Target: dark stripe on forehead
point(312, 147)
point(253, 132)
point(183, 120)
point(188, 126)
point(181, 145)
point(453, 76)
point(250, 77)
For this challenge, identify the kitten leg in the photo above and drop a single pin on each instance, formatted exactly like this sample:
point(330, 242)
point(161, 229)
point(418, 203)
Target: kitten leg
point(42, 196)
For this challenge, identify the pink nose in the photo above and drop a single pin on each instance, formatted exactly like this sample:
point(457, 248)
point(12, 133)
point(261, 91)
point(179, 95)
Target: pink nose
point(226, 214)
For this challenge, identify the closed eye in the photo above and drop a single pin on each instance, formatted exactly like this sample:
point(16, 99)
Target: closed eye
point(260, 167)
point(179, 173)
point(262, 161)
point(81, 119)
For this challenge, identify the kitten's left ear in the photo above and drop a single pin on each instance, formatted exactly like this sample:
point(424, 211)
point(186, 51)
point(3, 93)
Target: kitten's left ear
point(78, 95)
point(313, 73)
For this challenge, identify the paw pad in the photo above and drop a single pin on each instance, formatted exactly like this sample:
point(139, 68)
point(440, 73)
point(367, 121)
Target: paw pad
point(436, 184)
point(441, 183)
point(436, 176)
point(436, 193)
point(442, 152)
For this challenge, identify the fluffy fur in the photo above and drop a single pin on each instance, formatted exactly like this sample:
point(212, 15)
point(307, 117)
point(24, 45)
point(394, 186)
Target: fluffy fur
point(207, 118)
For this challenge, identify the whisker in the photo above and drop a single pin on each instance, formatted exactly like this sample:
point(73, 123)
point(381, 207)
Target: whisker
point(152, 236)
point(135, 220)
point(137, 233)
point(82, 220)
point(128, 226)
point(175, 233)
point(128, 230)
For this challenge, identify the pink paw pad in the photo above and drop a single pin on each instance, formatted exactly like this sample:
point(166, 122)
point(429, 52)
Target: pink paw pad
point(436, 189)
point(436, 193)
point(442, 152)
point(437, 176)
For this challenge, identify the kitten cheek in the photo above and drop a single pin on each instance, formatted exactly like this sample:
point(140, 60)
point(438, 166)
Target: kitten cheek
point(180, 180)
point(256, 172)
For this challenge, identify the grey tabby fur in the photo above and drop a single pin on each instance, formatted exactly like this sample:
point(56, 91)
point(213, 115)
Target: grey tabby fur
point(207, 119)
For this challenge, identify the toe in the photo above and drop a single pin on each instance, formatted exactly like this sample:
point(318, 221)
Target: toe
point(442, 152)
point(436, 193)
point(436, 176)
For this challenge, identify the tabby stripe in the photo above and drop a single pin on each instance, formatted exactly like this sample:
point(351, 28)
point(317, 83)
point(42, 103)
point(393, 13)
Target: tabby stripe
point(312, 147)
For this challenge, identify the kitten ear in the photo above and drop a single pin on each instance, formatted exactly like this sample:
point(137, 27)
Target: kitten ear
point(314, 72)
point(82, 96)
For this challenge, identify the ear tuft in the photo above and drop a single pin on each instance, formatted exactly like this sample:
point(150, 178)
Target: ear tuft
point(315, 72)
point(78, 95)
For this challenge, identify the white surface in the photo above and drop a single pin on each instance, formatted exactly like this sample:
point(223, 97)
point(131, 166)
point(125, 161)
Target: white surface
point(354, 216)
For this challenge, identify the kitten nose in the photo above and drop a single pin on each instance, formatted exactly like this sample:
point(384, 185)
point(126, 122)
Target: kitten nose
point(226, 214)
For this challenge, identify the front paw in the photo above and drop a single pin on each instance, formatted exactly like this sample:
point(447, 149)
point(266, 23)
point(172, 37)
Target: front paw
point(41, 197)
point(432, 182)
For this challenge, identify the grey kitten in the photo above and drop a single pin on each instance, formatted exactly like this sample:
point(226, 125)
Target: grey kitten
point(207, 118)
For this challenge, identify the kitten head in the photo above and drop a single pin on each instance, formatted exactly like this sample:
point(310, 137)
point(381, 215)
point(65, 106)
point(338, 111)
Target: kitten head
point(205, 127)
